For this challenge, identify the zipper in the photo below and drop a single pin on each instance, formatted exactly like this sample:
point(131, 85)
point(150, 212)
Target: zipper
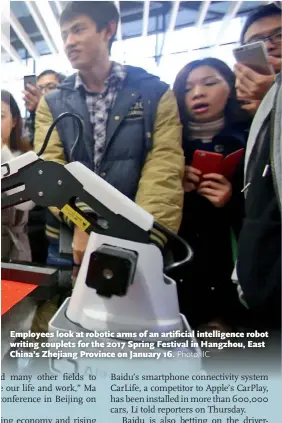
point(274, 176)
point(246, 187)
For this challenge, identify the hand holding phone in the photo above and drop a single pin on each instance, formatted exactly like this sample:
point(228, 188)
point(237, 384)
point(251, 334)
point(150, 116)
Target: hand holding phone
point(29, 80)
point(192, 178)
point(251, 85)
point(231, 162)
point(276, 63)
point(32, 94)
point(216, 188)
point(207, 162)
point(251, 106)
point(214, 163)
point(254, 73)
point(255, 57)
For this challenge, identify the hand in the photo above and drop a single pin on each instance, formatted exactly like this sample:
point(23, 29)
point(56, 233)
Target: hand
point(251, 106)
point(32, 97)
point(251, 85)
point(276, 63)
point(191, 178)
point(79, 243)
point(216, 188)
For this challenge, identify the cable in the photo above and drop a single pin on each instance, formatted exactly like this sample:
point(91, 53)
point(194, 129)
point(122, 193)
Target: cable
point(54, 123)
point(188, 249)
point(79, 136)
point(157, 226)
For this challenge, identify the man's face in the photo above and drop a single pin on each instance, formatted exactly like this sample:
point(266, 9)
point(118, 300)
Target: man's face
point(263, 28)
point(47, 83)
point(83, 44)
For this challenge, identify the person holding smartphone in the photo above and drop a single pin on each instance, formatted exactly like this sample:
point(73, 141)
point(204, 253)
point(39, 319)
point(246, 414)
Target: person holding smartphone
point(264, 24)
point(35, 87)
point(258, 269)
point(212, 121)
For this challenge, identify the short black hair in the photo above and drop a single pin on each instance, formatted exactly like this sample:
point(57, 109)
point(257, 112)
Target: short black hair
point(259, 13)
point(101, 13)
point(233, 112)
point(59, 76)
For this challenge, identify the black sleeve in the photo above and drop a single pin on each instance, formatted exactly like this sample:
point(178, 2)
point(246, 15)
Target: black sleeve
point(235, 209)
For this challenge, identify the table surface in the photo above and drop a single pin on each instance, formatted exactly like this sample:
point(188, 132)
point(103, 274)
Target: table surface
point(13, 292)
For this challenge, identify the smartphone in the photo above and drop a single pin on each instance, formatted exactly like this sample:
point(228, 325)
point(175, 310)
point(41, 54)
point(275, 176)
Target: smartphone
point(29, 79)
point(207, 162)
point(254, 56)
point(231, 162)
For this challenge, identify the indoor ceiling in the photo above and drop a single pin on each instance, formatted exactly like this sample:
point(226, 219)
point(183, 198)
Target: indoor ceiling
point(32, 27)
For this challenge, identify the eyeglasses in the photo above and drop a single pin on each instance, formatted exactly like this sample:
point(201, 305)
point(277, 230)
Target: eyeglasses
point(46, 88)
point(274, 38)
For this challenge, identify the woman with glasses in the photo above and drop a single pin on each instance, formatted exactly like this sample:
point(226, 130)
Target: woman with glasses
point(212, 121)
point(262, 25)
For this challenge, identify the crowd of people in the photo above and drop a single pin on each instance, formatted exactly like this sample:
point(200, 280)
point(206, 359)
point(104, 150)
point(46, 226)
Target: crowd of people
point(141, 136)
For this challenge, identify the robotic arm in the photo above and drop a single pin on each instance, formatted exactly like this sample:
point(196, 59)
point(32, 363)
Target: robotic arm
point(7, 155)
point(121, 283)
point(49, 184)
